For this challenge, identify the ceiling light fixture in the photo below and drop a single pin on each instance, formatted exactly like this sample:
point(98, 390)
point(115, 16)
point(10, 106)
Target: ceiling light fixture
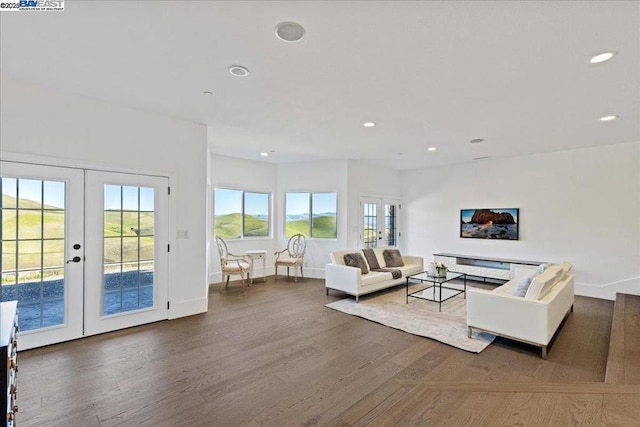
point(290, 31)
point(239, 70)
point(477, 140)
point(264, 154)
point(608, 118)
point(431, 149)
point(368, 124)
point(602, 57)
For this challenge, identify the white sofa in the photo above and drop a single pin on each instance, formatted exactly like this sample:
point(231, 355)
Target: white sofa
point(534, 318)
point(351, 281)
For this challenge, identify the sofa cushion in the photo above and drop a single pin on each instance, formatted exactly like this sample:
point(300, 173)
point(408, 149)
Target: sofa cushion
point(372, 259)
point(521, 288)
point(541, 268)
point(543, 283)
point(566, 267)
point(375, 277)
point(356, 259)
point(392, 258)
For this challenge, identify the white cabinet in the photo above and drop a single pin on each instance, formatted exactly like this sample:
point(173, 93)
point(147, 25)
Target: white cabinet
point(487, 267)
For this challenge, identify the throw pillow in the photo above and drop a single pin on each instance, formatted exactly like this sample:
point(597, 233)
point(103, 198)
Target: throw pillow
point(520, 290)
point(356, 260)
point(541, 268)
point(392, 258)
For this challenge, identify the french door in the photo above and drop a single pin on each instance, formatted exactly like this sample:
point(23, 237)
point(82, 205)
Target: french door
point(379, 225)
point(78, 261)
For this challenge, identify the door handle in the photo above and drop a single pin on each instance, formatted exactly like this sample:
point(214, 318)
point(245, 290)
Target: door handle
point(75, 259)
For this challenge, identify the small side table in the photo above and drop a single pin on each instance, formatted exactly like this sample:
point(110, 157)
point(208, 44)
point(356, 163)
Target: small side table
point(254, 255)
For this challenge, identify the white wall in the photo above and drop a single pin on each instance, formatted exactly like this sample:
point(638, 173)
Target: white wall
point(582, 206)
point(67, 130)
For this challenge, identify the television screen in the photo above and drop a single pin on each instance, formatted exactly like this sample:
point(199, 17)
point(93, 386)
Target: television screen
point(489, 223)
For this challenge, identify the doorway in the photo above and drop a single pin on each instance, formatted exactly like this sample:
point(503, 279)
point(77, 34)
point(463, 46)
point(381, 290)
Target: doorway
point(379, 225)
point(83, 251)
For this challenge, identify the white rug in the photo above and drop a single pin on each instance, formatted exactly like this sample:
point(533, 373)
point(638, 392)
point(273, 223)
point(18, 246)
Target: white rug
point(419, 317)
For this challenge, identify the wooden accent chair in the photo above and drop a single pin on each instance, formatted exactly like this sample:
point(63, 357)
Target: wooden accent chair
point(231, 263)
point(292, 256)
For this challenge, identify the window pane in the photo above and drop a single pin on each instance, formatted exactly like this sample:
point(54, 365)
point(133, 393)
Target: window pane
point(29, 224)
point(228, 213)
point(297, 214)
point(129, 198)
point(112, 198)
point(29, 194)
point(53, 253)
point(9, 224)
point(9, 192)
point(256, 214)
point(53, 195)
point(323, 218)
point(53, 224)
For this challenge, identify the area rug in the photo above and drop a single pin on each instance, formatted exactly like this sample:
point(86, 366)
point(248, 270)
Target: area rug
point(418, 317)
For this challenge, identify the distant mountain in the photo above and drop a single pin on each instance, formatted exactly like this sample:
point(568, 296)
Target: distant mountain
point(297, 217)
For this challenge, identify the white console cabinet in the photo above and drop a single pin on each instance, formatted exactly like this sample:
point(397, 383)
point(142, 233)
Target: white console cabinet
point(487, 267)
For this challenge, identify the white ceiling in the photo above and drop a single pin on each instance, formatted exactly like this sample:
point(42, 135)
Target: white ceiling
point(428, 73)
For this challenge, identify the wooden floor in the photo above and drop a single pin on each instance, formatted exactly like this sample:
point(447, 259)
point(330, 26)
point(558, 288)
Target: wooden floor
point(273, 355)
point(623, 363)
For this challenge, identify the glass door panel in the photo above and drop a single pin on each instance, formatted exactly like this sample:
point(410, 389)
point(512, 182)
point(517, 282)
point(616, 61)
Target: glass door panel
point(42, 220)
point(379, 226)
point(127, 232)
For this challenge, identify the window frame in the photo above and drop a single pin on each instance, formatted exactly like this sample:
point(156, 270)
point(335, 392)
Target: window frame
point(310, 213)
point(242, 213)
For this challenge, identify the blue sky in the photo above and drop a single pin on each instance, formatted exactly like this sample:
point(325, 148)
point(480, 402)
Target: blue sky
point(230, 201)
point(118, 197)
point(31, 189)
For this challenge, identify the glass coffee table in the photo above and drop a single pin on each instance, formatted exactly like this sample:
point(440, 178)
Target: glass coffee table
point(437, 283)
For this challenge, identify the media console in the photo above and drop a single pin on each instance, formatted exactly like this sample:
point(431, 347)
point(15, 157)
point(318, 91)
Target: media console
point(486, 267)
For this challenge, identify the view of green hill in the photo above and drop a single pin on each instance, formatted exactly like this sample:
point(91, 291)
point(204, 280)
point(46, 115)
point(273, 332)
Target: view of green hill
point(323, 226)
point(230, 226)
point(34, 223)
point(10, 202)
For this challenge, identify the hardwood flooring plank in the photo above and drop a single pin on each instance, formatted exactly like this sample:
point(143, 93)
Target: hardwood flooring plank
point(273, 355)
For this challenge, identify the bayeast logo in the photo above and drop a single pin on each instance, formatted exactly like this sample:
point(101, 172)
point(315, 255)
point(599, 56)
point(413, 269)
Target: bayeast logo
point(37, 5)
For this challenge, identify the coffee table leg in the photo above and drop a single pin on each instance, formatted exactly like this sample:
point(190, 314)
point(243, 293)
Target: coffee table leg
point(465, 286)
point(407, 290)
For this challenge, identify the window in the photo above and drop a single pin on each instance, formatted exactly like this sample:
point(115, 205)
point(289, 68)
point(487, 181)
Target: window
point(240, 214)
point(311, 214)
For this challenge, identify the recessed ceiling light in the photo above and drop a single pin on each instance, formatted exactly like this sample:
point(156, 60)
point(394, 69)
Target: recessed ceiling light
point(477, 140)
point(239, 70)
point(481, 158)
point(289, 31)
point(431, 149)
point(264, 154)
point(608, 118)
point(602, 57)
point(368, 124)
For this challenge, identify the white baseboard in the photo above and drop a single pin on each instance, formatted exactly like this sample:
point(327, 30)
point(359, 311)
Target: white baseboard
point(608, 291)
point(187, 308)
point(312, 273)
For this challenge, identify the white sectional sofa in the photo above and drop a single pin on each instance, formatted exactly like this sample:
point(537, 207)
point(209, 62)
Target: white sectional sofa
point(533, 318)
point(350, 280)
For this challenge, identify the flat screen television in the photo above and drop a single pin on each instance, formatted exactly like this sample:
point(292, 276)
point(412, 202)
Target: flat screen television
point(490, 223)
